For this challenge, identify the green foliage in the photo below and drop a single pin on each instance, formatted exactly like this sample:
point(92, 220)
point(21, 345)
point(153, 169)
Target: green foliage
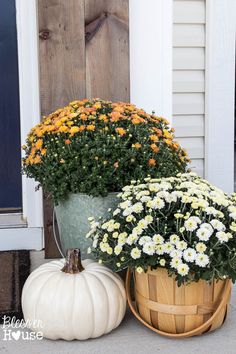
point(96, 147)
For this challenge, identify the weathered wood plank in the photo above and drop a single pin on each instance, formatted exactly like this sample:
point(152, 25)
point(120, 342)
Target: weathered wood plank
point(62, 70)
point(62, 53)
point(107, 49)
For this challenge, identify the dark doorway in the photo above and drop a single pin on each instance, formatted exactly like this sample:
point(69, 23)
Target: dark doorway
point(10, 157)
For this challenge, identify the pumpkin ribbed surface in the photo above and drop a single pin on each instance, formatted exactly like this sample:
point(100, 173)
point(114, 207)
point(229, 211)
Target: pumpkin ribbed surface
point(74, 306)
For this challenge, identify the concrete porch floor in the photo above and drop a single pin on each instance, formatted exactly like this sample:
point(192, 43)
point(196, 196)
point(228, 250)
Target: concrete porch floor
point(133, 338)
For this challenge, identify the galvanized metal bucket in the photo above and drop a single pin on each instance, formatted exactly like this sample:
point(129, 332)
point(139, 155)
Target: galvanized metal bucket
point(72, 219)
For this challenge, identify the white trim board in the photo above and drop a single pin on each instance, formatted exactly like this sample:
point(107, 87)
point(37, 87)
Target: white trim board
point(21, 239)
point(220, 74)
point(29, 237)
point(150, 32)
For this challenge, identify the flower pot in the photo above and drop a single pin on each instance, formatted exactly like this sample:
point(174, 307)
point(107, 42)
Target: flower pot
point(178, 312)
point(72, 218)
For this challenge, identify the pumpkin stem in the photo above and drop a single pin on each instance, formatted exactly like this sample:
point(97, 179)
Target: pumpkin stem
point(73, 263)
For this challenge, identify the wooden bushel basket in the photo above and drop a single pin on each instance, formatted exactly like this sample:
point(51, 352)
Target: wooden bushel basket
point(178, 312)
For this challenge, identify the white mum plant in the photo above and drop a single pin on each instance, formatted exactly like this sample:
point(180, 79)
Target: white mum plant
point(182, 223)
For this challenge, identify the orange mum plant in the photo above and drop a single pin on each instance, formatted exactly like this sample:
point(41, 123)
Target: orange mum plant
point(96, 147)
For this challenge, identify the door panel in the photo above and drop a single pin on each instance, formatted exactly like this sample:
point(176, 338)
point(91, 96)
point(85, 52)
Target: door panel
point(10, 157)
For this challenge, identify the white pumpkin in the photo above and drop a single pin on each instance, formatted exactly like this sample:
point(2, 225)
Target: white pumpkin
point(77, 302)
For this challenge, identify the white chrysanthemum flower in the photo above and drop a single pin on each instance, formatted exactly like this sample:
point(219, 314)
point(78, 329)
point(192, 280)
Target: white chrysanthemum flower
point(233, 215)
point(116, 226)
point(137, 208)
point(219, 214)
point(165, 185)
point(149, 218)
point(89, 250)
point(143, 224)
point(202, 260)
point(158, 239)
point(176, 253)
point(145, 199)
point(131, 239)
point(207, 226)
point(109, 250)
point(116, 212)
point(196, 218)
point(121, 240)
point(142, 194)
point(211, 211)
point(222, 236)
point(181, 245)
point(189, 255)
point(103, 246)
point(168, 247)
point(139, 270)
point(104, 226)
point(178, 215)
point(138, 230)
point(135, 253)
point(183, 269)
point(115, 234)
point(149, 248)
point(218, 225)
point(160, 249)
point(233, 226)
point(175, 262)
point(190, 224)
point(158, 203)
point(186, 199)
point(123, 234)
point(95, 243)
point(126, 188)
point(130, 218)
point(162, 262)
point(203, 234)
point(232, 209)
point(117, 250)
point(154, 187)
point(127, 211)
point(126, 204)
point(174, 239)
point(201, 247)
point(144, 239)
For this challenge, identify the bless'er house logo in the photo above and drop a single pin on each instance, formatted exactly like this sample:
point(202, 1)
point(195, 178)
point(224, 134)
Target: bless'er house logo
point(14, 329)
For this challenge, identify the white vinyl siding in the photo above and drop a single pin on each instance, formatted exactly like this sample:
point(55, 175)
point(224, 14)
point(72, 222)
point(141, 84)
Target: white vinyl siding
point(189, 17)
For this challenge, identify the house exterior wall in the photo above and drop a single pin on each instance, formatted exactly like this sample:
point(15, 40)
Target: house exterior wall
point(189, 27)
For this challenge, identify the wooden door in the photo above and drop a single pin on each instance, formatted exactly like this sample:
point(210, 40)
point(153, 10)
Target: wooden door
point(84, 52)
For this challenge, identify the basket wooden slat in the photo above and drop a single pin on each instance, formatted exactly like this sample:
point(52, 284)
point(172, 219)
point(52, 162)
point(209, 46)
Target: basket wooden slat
point(174, 311)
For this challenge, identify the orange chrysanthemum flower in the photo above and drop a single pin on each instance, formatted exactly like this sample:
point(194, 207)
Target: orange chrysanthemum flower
point(154, 138)
point(152, 162)
point(137, 146)
point(39, 144)
point(121, 131)
point(155, 148)
point(91, 127)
